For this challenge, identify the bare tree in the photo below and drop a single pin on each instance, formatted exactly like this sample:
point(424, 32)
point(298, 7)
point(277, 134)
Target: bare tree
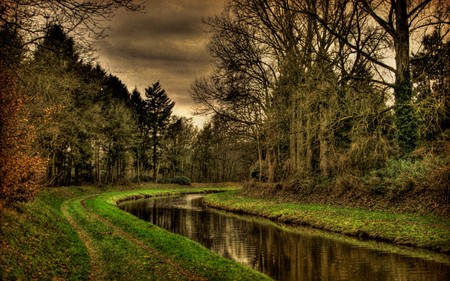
point(287, 58)
point(398, 21)
point(81, 19)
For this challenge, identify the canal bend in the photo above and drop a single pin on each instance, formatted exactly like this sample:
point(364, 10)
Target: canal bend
point(301, 254)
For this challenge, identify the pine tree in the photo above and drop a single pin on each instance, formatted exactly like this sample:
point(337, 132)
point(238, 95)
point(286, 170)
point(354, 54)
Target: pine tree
point(158, 110)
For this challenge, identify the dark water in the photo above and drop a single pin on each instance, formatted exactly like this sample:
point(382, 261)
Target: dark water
point(285, 253)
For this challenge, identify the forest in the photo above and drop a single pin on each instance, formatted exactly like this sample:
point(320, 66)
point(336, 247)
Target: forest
point(303, 93)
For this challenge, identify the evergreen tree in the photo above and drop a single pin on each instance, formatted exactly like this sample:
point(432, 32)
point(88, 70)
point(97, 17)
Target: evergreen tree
point(138, 105)
point(158, 110)
point(431, 75)
point(89, 127)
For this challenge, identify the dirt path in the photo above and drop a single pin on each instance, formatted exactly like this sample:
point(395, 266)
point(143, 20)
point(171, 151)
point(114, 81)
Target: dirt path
point(97, 272)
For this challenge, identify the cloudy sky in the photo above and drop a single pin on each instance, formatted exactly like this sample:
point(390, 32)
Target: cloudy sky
point(166, 43)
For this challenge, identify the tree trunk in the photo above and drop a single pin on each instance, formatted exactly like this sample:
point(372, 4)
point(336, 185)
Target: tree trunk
point(138, 166)
point(155, 158)
point(260, 160)
point(406, 119)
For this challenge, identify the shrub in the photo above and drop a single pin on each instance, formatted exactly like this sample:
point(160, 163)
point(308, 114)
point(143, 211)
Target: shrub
point(181, 180)
point(22, 169)
point(401, 175)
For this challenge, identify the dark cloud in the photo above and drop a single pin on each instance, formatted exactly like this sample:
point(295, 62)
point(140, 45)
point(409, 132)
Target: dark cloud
point(166, 43)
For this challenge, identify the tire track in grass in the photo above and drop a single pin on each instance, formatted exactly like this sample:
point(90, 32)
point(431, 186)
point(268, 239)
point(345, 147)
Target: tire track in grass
point(95, 235)
point(125, 235)
point(95, 261)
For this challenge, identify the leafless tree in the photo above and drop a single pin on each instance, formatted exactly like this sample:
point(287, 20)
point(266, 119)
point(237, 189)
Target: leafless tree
point(81, 19)
point(398, 21)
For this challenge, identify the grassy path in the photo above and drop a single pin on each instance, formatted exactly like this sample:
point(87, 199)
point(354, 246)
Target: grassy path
point(78, 233)
point(112, 254)
point(179, 273)
point(94, 256)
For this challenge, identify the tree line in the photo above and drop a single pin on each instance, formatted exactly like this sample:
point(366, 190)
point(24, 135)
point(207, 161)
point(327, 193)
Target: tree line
point(329, 88)
point(301, 89)
point(66, 121)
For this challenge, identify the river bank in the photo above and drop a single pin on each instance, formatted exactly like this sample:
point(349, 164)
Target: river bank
point(79, 233)
point(409, 229)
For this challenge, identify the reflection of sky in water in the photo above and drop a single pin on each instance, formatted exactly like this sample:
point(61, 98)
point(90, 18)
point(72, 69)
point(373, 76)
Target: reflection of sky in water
point(280, 254)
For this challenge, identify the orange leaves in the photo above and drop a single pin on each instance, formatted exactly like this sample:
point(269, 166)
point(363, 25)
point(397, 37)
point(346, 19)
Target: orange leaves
point(21, 168)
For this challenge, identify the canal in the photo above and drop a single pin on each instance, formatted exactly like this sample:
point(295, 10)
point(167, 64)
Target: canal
point(287, 253)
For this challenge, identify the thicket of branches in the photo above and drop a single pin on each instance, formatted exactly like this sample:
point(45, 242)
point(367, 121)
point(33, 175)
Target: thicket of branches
point(324, 88)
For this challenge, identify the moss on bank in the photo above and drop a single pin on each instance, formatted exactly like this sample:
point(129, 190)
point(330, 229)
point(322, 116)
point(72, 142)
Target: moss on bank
point(429, 232)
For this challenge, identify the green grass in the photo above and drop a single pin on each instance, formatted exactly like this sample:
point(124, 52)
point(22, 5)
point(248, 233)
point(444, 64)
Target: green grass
point(183, 251)
point(403, 229)
point(37, 242)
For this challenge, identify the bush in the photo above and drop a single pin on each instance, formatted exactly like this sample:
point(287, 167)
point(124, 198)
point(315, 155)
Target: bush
point(181, 180)
point(401, 175)
point(22, 168)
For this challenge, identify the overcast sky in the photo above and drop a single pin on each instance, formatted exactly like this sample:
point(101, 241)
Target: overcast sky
point(166, 43)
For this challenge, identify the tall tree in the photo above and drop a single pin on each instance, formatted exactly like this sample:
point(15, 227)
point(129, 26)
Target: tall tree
point(398, 21)
point(431, 75)
point(138, 105)
point(286, 70)
point(53, 81)
point(158, 110)
point(222, 153)
point(22, 167)
point(178, 145)
point(82, 102)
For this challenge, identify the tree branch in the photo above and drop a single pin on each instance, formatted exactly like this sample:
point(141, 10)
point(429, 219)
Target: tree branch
point(388, 27)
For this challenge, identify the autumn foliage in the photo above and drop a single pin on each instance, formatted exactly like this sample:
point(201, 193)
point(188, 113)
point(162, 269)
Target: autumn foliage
point(21, 168)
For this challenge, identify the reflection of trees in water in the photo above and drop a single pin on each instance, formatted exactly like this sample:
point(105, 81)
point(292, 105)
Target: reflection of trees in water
point(283, 255)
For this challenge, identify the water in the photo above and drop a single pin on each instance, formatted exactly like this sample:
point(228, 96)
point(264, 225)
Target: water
point(286, 253)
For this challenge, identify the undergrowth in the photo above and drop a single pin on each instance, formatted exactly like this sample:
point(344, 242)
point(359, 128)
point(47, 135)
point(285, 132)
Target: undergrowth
point(419, 183)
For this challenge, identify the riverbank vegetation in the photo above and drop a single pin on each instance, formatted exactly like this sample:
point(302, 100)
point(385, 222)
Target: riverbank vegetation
point(429, 232)
point(308, 84)
point(74, 233)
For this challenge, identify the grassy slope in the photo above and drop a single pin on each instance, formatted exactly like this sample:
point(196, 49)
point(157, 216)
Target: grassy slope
point(38, 242)
point(403, 229)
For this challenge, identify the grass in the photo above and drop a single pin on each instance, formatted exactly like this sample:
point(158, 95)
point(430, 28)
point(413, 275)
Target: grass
point(37, 243)
point(181, 250)
point(75, 233)
point(402, 229)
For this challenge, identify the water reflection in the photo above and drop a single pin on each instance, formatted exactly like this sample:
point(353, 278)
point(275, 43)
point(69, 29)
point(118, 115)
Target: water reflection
point(283, 255)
